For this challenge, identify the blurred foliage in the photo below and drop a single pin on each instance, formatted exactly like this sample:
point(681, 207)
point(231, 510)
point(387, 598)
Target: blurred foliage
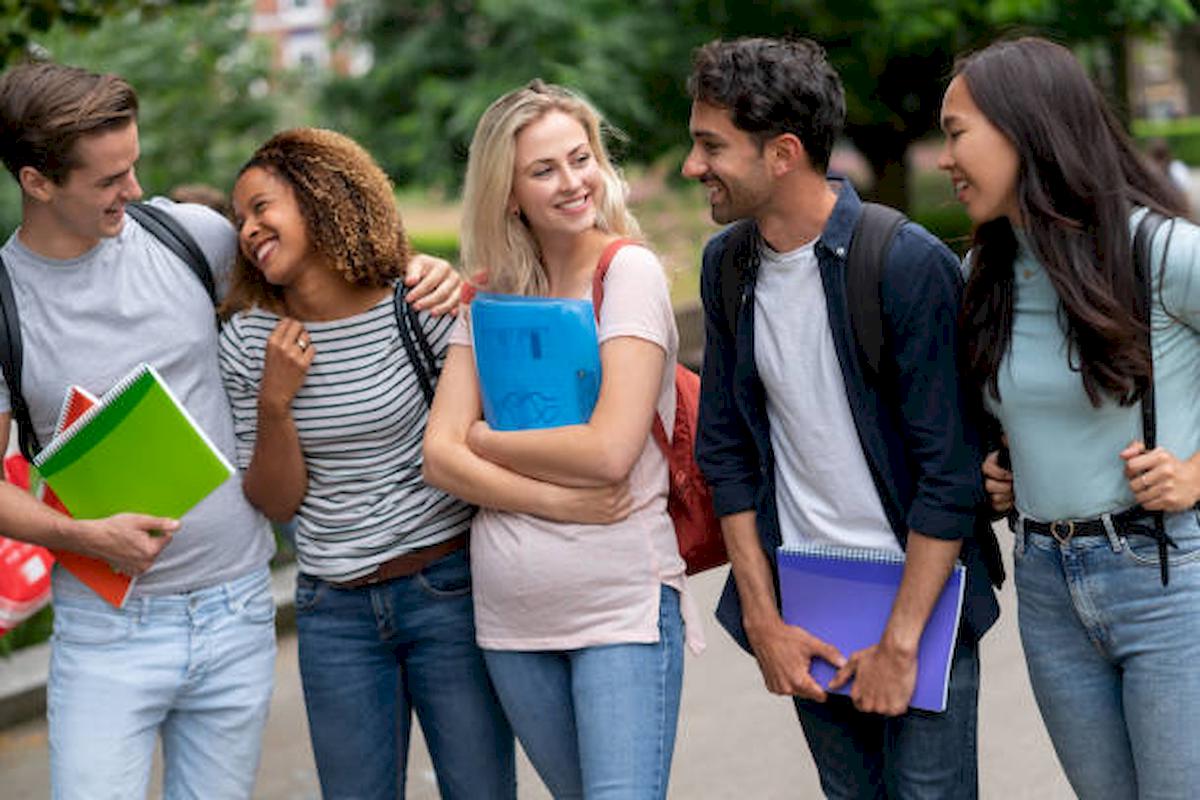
point(1182, 135)
point(32, 631)
point(443, 244)
point(23, 21)
point(201, 80)
point(439, 63)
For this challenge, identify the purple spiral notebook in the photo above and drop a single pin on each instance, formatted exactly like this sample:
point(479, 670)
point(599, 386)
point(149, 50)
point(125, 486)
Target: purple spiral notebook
point(845, 595)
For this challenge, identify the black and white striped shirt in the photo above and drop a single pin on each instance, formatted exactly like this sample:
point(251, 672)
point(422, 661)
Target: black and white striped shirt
point(361, 417)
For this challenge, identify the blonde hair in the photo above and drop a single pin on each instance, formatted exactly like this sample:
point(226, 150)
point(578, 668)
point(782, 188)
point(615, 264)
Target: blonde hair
point(348, 207)
point(498, 243)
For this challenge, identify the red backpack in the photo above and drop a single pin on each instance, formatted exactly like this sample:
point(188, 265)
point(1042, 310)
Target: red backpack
point(689, 501)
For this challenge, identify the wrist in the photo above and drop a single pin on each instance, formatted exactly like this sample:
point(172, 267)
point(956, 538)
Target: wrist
point(901, 643)
point(274, 408)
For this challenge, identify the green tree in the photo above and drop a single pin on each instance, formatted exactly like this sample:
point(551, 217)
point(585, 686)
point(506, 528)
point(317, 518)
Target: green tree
point(202, 85)
point(22, 22)
point(439, 62)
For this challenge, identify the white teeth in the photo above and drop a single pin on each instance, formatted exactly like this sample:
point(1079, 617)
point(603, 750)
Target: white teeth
point(572, 205)
point(264, 250)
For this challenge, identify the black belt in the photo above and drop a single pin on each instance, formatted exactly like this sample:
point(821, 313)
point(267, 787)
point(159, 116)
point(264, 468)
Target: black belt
point(1135, 520)
point(1064, 530)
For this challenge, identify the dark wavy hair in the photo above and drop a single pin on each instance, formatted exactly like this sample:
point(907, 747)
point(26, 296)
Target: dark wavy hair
point(771, 87)
point(349, 213)
point(1079, 178)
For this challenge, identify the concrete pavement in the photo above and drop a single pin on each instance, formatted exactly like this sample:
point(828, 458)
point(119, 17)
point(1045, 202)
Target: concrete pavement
point(735, 741)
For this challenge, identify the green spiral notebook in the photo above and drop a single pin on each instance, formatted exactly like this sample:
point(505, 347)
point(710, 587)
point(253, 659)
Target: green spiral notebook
point(137, 450)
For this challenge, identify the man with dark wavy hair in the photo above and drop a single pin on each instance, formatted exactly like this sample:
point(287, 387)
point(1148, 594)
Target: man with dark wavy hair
point(803, 445)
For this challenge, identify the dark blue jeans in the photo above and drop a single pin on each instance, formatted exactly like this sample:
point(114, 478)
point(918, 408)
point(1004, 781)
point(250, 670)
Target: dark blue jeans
point(916, 756)
point(371, 656)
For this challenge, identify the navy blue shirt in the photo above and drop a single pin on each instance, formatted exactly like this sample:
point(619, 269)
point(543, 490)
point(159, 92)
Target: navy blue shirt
point(918, 437)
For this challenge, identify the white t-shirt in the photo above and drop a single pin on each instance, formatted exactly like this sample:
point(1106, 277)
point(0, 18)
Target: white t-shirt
point(543, 585)
point(823, 486)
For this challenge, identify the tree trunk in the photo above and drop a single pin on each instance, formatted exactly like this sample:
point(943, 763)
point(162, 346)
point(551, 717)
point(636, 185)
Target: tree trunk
point(1118, 51)
point(885, 150)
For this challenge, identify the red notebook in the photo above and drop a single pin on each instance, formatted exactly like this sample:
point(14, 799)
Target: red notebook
point(95, 573)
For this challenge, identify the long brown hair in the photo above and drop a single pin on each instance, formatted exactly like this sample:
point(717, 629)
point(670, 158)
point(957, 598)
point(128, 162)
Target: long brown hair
point(1078, 180)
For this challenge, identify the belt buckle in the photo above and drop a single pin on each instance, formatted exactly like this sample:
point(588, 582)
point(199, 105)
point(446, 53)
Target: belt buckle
point(1062, 538)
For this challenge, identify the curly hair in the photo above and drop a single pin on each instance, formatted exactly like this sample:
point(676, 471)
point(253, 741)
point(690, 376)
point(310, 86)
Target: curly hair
point(498, 243)
point(348, 207)
point(772, 87)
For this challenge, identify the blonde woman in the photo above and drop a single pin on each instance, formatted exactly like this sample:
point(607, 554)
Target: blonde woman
point(581, 624)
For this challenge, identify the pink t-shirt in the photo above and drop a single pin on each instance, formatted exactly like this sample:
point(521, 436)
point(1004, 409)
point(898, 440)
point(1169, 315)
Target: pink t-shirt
point(543, 585)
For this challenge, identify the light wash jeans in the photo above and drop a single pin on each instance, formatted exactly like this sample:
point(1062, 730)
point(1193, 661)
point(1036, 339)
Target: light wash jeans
point(1114, 658)
point(919, 755)
point(598, 722)
point(371, 656)
point(197, 667)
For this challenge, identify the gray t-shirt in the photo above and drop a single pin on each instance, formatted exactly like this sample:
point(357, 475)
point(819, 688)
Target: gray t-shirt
point(89, 320)
point(824, 489)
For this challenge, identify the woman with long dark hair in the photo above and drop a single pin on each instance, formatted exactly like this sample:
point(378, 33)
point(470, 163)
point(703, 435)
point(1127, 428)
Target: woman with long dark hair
point(1065, 351)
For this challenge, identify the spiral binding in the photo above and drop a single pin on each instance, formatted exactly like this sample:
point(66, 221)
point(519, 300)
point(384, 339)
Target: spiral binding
point(86, 417)
point(842, 553)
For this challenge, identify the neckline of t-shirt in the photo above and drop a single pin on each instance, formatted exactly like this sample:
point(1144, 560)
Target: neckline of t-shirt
point(22, 250)
point(767, 253)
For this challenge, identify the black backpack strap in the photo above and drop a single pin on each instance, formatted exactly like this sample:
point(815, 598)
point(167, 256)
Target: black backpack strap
point(166, 229)
point(11, 357)
point(1144, 277)
point(864, 272)
point(416, 343)
point(737, 263)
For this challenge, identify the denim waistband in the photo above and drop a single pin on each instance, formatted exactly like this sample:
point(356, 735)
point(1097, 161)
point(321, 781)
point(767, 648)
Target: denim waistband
point(231, 593)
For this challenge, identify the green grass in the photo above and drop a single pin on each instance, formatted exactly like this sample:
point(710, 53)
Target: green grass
point(1183, 136)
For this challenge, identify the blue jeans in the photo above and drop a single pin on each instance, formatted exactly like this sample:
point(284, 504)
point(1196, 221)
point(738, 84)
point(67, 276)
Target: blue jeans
point(371, 656)
point(197, 667)
point(1114, 658)
point(598, 722)
point(918, 754)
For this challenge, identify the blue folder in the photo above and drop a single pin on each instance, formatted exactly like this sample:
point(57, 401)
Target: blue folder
point(844, 596)
point(537, 358)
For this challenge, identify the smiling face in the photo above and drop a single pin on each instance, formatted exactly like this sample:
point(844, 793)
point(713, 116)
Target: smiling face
point(89, 205)
point(272, 233)
point(981, 161)
point(729, 162)
point(556, 179)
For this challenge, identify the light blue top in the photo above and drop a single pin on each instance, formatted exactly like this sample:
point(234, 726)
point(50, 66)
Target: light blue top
point(1065, 451)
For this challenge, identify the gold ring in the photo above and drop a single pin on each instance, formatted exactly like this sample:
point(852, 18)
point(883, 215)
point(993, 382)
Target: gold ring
point(302, 343)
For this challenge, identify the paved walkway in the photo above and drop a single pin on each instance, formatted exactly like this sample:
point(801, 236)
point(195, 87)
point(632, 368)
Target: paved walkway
point(735, 740)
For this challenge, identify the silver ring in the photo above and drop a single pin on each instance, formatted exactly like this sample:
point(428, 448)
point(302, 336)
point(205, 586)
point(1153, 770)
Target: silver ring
point(302, 343)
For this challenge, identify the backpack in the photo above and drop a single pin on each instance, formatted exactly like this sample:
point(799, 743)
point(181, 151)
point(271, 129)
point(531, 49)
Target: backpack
point(162, 226)
point(689, 499)
point(1144, 299)
point(159, 224)
point(416, 343)
point(869, 247)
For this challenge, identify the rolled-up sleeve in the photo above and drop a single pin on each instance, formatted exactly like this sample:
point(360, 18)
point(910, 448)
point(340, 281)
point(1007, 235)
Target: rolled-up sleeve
point(921, 297)
point(725, 450)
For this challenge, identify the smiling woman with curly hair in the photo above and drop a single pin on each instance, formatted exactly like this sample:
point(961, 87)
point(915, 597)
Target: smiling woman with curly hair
point(348, 209)
point(329, 418)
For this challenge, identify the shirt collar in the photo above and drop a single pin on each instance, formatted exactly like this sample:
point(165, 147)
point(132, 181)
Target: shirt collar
point(839, 228)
